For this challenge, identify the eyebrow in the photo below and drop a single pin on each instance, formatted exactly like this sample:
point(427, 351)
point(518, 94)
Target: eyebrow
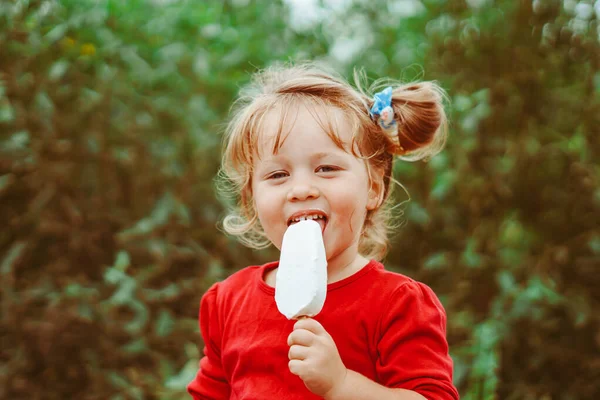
point(315, 157)
point(321, 155)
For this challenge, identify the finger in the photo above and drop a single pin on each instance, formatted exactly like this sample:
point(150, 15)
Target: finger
point(295, 367)
point(301, 337)
point(311, 325)
point(298, 352)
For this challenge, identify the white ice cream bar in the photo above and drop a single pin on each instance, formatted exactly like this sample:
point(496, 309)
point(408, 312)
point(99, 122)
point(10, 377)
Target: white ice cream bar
point(301, 282)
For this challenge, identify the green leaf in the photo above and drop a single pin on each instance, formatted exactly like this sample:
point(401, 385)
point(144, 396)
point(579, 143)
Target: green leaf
point(58, 70)
point(117, 380)
point(11, 257)
point(122, 262)
point(73, 290)
point(43, 104)
point(85, 312)
point(511, 258)
point(435, 262)
point(90, 99)
point(173, 52)
point(136, 346)
point(191, 350)
point(7, 113)
point(443, 184)
point(113, 276)
point(537, 291)
point(417, 214)
point(166, 368)
point(462, 103)
point(6, 181)
point(594, 244)
point(58, 32)
point(168, 206)
point(470, 257)
point(164, 323)
point(18, 141)
point(137, 324)
point(125, 292)
point(512, 233)
point(184, 377)
point(168, 292)
point(506, 281)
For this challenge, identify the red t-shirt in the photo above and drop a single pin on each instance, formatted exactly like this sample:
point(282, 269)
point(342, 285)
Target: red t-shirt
point(386, 326)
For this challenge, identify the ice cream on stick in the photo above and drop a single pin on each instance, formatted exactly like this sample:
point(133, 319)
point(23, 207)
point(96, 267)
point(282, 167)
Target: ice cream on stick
point(301, 281)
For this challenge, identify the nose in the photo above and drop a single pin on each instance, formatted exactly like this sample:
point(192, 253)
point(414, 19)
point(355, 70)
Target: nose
point(301, 190)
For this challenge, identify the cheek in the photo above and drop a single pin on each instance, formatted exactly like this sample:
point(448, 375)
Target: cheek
point(260, 198)
point(264, 209)
point(351, 209)
point(268, 210)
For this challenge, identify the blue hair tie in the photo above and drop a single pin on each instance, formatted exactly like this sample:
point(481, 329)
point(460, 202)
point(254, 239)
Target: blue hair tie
point(383, 113)
point(381, 100)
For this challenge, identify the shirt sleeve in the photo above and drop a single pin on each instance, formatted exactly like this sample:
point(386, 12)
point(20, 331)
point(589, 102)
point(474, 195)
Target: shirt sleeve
point(210, 381)
point(413, 351)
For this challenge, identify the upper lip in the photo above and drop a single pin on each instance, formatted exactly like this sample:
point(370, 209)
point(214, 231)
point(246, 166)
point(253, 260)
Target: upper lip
point(303, 213)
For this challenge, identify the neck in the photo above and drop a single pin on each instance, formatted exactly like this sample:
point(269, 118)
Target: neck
point(339, 266)
point(345, 264)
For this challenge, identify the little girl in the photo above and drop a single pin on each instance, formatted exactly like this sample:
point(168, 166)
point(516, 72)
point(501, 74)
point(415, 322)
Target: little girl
point(304, 143)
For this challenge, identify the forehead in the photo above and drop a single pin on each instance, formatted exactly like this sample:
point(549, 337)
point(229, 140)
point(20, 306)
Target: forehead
point(304, 118)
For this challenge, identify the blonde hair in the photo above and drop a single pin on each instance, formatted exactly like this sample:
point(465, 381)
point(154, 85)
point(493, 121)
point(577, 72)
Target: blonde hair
point(422, 133)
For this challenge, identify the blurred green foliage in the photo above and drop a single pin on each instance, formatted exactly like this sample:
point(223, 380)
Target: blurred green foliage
point(110, 122)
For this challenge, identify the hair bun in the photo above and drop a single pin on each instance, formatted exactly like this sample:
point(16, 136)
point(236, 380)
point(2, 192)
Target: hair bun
point(422, 125)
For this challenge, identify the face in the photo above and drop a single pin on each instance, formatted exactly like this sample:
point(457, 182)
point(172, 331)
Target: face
point(311, 176)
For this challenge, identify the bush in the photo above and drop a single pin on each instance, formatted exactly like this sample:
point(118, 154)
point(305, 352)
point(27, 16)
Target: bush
point(110, 121)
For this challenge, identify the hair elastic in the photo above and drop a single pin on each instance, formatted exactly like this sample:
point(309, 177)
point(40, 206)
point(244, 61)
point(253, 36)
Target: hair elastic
point(383, 113)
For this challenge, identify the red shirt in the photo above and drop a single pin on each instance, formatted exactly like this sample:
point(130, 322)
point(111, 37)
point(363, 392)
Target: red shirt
point(386, 326)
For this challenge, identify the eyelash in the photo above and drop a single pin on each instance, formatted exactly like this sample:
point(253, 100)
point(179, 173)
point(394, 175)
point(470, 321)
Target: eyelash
point(277, 175)
point(274, 176)
point(332, 167)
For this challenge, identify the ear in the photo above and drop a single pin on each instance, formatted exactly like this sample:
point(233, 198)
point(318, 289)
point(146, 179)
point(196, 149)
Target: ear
point(376, 191)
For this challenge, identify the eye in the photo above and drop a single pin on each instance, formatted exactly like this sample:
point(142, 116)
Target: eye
point(277, 175)
point(327, 168)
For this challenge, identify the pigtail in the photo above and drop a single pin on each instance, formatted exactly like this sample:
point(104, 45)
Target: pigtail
point(422, 124)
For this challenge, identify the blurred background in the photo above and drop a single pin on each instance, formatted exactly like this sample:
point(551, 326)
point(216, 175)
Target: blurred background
point(111, 115)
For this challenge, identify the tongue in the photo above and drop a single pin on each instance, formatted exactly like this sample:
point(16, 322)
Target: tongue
point(321, 222)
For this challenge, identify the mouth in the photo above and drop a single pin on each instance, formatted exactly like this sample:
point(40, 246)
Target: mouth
point(316, 215)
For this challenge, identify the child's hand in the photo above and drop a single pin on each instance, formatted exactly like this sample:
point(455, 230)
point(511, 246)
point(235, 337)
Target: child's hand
point(314, 357)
